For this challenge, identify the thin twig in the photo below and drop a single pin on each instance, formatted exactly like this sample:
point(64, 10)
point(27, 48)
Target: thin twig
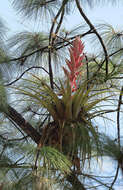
point(59, 25)
point(115, 178)
point(118, 115)
point(56, 46)
point(33, 67)
point(118, 133)
point(68, 40)
point(50, 42)
point(46, 2)
point(121, 49)
point(98, 181)
point(94, 31)
point(33, 52)
point(17, 139)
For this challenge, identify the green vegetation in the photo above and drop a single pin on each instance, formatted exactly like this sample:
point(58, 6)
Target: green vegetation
point(54, 99)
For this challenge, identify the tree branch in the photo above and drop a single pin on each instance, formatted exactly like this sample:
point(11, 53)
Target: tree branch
point(51, 42)
point(76, 184)
point(118, 135)
point(47, 2)
point(94, 31)
point(56, 46)
point(118, 115)
point(33, 67)
point(23, 124)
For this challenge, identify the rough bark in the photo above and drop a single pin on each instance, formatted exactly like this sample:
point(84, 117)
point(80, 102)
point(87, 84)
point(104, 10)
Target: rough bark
point(23, 124)
point(76, 184)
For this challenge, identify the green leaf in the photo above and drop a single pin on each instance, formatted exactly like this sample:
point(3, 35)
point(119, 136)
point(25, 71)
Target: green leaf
point(56, 159)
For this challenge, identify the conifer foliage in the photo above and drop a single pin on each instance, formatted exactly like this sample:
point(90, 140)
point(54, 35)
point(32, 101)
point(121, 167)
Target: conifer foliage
point(56, 100)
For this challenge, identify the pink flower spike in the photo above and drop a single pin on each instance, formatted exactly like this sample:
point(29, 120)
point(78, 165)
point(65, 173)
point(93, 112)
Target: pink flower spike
point(75, 62)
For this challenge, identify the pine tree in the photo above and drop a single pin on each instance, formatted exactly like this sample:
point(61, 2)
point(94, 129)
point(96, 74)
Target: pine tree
point(52, 94)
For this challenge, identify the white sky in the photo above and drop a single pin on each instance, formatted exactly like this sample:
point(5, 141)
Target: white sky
point(110, 14)
point(100, 14)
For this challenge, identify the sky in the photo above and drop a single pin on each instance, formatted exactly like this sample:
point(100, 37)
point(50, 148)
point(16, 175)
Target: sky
point(104, 14)
point(99, 14)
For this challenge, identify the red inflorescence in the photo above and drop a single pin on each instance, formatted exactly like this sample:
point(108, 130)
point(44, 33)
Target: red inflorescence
point(75, 62)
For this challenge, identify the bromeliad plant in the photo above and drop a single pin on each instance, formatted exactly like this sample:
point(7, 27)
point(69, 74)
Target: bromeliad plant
point(70, 131)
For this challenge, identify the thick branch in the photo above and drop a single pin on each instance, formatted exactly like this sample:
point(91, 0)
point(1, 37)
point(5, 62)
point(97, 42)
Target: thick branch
point(76, 184)
point(23, 124)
